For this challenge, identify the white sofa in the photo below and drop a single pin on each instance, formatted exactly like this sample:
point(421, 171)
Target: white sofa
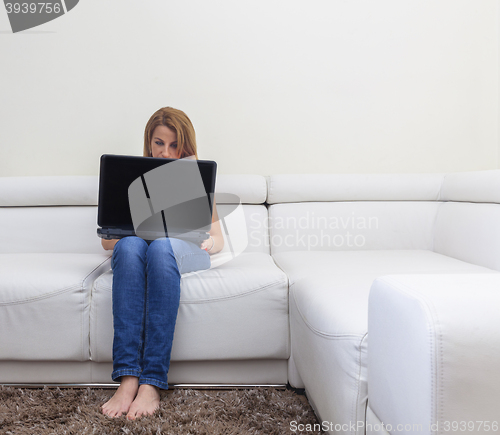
point(293, 307)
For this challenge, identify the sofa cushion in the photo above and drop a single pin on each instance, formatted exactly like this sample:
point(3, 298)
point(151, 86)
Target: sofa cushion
point(331, 288)
point(44, 305)
point(237, 310)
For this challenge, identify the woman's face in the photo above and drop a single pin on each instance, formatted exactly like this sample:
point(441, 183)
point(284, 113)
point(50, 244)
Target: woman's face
point(164, 143)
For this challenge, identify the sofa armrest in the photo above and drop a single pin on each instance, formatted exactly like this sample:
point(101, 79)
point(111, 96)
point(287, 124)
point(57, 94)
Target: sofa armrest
point(434, 352)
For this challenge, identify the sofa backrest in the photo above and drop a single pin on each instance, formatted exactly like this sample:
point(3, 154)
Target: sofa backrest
point(59, 214)
point(352, 212)
point(246, 228)
point(49, 214)
point(456, 214)
point(468, 222)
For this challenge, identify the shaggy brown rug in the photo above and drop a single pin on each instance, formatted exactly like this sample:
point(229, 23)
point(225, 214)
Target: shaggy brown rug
point(182, 411)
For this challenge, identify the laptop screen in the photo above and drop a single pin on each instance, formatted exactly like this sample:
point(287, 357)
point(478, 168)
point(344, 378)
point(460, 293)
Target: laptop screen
point(117, 173)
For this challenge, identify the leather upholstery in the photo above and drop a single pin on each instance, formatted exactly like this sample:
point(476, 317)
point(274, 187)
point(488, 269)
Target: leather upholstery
point(328, 319)
point(476, 186)
point(469, 232)
point(83, 190)
point(44, 305)
point(236, 311)
point(353, 187)
point(247, 372)
point(283, 295)
point(48, 190)
point(435, 340)
point(352, 226)
point(50, 230)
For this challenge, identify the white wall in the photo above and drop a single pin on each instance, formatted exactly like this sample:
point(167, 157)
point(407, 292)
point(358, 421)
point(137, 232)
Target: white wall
point(271, 86)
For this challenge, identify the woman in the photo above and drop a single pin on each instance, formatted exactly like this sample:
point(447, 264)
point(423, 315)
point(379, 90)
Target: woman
point(146, 285)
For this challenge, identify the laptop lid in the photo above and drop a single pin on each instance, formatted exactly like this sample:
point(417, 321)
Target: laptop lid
point(146, 194)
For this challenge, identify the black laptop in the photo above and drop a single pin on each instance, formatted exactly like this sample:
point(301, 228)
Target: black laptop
point(154, 197)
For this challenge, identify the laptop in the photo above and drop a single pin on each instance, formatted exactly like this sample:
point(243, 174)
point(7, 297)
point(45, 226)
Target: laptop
point(154, 197)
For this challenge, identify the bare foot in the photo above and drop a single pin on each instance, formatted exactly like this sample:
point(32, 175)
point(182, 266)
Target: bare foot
point(120, 402)
point(146, 402)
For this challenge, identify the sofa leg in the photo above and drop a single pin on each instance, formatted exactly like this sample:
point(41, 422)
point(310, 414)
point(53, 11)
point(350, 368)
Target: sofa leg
point(301, 391)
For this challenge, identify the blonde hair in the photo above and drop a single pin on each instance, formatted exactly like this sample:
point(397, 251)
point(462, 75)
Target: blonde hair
point(177, 121)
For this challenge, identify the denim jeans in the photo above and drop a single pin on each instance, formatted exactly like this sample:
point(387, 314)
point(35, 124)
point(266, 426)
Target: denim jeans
point(146, 294)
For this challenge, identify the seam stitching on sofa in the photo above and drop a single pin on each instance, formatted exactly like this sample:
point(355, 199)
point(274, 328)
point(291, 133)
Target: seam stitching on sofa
point(276, 262)
point(84, 284)
point(405, 288)
point(94, 328)
point(255, 290)
point(265, 190)
point(41, 297)
point(440, 196)
point(439, 344)
point(95, 356)
point(356, 416)
point(95, 269)
point(82, 321)
point(267, 230)
point(287, 301)
point(51, 294)
point(434, 225)
point(437, 407)
point(93, 303)
point(270, 229)
point(270, 188)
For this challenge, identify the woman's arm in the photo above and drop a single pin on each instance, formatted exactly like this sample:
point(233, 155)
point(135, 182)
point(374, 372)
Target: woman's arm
point(215, 234)
point(109, 245)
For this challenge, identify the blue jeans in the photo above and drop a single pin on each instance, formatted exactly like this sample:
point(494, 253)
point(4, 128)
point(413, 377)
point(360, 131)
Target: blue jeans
point(146, 294)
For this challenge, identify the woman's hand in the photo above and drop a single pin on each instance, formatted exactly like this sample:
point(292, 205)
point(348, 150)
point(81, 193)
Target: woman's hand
point(109, 244)
point(215, 243)
point(208, 244)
